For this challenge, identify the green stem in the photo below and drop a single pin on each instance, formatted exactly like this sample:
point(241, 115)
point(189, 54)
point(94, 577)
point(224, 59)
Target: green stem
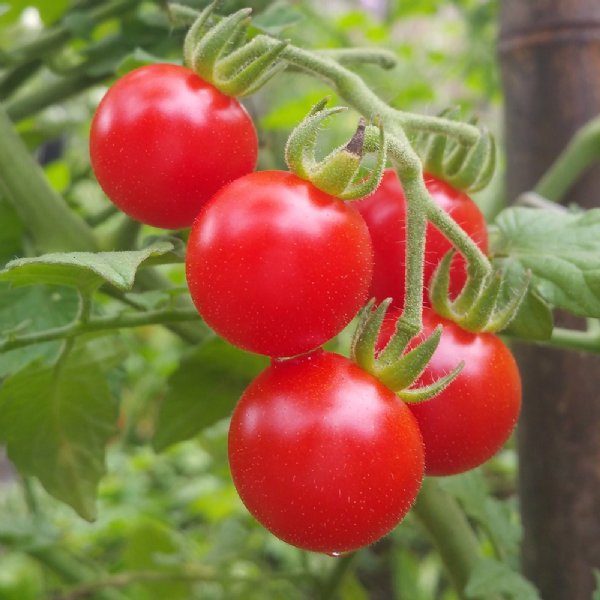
point(416, 224)
point(357, 94)
point(450, 531)
point(571, 339)
point(582, 151)
point(24, 106)
point(386, 59)
point(14, 77)
point(459, 238)
point(107, 323)
point(49, 220)
point(332, 584)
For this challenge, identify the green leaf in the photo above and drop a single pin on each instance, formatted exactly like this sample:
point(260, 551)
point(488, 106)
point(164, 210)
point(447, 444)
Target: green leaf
point(85, 270)
point(280, 15)
point(56, 423)
point(490, 577)
point(32, 309)
point(560, 248)
point(204, 390)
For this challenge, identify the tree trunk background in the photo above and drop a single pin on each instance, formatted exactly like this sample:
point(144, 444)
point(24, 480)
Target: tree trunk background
point(550, 59)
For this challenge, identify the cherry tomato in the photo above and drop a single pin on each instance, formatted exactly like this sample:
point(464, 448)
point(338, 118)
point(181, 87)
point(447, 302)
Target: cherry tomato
point(385, 214)
point(468, 422)
point(276, 266)
point(323, 455)
point(163, 141)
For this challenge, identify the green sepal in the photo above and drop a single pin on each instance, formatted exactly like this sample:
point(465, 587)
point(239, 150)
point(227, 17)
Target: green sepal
point(337, 173)
point(467, 168)
point(396, 368)
point(219, 51)
point(364, 342)
point(410, 365)
point(477, 308)
point(413, 396)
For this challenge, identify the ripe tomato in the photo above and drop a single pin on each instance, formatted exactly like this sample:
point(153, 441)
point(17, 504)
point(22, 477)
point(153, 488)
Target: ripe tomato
point(163, 141)
point(470, 420)
point(276, 266)
point(384, 212)
point(323, 455)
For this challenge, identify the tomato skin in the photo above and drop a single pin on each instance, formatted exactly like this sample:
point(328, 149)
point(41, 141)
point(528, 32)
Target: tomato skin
point(468, 422)
point(323, 455)
point(163, 141)
point(276, 266)
point(384, 212)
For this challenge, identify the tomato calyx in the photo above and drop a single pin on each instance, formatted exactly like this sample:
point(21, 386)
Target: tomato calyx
point(395, 367)
point(338, 173)
point(217, 50)
point(468, 168)
point(480, 306)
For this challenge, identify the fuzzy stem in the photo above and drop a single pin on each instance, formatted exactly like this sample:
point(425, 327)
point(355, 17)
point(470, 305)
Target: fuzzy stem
point(450, 531)
point(582, 151)
point(355, 92)
point(95, 324)
point(386, 59)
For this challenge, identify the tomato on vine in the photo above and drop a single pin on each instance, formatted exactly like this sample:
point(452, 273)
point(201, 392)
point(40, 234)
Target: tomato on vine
point(384, 212)
point(276, 266)
point(323, 455)
point(469, 421)
point(163, 141)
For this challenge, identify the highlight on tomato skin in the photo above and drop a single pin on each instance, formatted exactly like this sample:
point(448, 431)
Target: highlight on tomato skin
point(276, 266)
point(323, 455)
point(384, 212)
point(163, 141)
point(469, 421)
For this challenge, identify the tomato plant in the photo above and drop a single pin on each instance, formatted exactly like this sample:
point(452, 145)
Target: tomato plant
point(468, 422)
point(163, 141)
point(276, 266)
point(385, 214)
point(323, 455)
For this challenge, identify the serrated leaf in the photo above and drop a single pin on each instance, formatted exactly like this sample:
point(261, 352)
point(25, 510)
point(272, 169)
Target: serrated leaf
point(29, 310)
point(560, 248)
point(204, 390)
point(84, 270)
point(56, 423)
point(490, 577)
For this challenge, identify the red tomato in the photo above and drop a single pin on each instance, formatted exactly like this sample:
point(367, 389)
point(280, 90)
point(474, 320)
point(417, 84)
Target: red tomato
point(163, 141)
point(323, 455)
point(470, 420)
point(384, 212)
point(276, 266)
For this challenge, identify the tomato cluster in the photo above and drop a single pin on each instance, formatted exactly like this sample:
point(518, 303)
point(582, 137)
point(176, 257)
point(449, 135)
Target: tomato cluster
point(321, 452)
